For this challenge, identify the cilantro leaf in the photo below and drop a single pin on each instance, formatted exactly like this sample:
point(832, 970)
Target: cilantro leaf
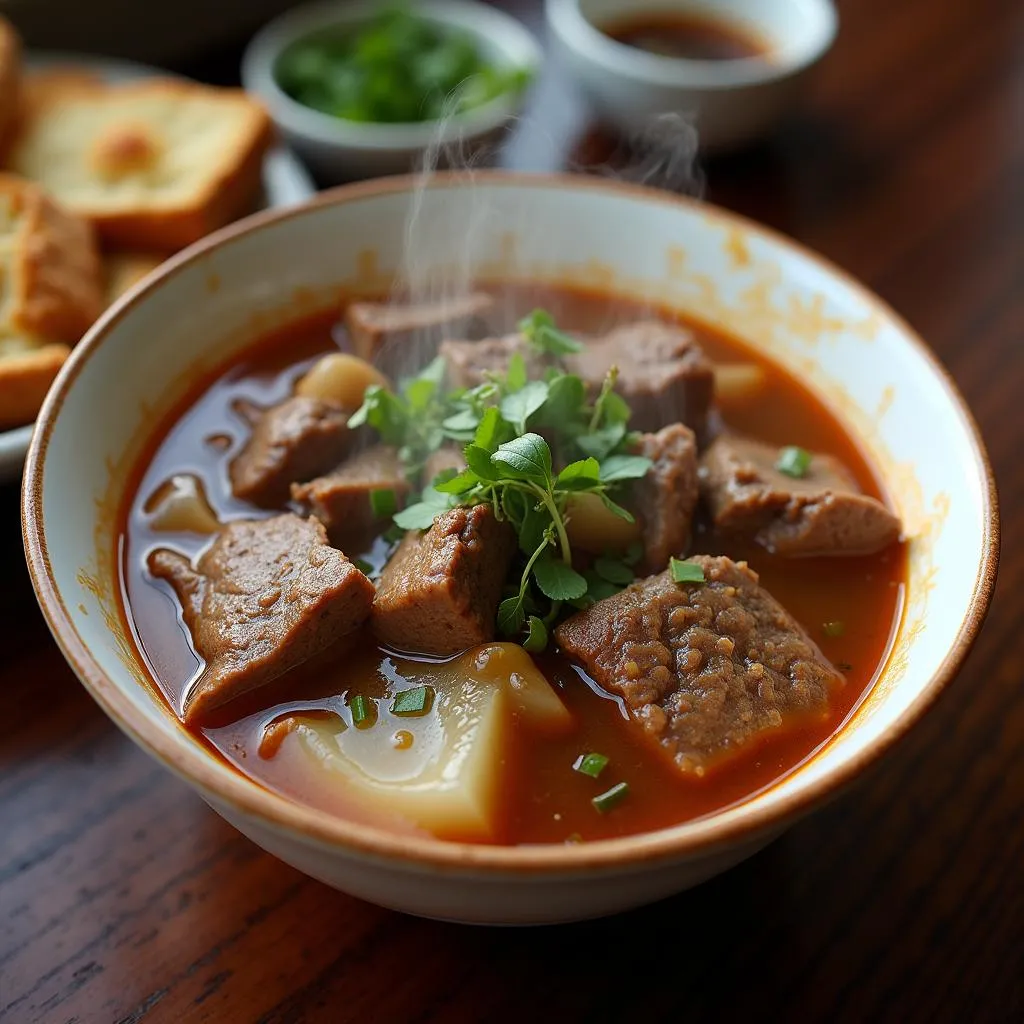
point(516, 377)
point(613, 570)
point(602, 442)
point(539, 329)
point(519, 406)
point(624, 467)
point(558, 581)
point(527, 457)
point(491, 431)
point(479, 461)
point(511, 616)
point(536, 636)
point(584, 475)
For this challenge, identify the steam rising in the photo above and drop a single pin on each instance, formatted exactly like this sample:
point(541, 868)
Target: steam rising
point(446, 241)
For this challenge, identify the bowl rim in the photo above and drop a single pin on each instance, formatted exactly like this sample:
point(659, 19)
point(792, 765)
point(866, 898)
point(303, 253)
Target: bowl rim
point(482, 21)
point(226, 786)
point(577, 31)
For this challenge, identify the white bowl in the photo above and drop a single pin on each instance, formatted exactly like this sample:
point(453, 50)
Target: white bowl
point(731, 101)
point(338, 150)
point(850, 348)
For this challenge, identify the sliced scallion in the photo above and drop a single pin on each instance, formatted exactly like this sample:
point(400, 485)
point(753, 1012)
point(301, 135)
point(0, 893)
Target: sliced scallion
point(686, 572)
point(794, 462)
point(361, 713)
point(590, 764)
point(611, 797)
point(413, 702)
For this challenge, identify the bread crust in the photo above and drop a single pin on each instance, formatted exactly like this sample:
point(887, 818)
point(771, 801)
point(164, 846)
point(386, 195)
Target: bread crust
point(24, 380)
point(10, 81)
point(154, 164)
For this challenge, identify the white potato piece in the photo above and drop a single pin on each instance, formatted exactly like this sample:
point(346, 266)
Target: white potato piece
point(180, 505)
point(532, 698)
point(442, 770)
point(738, 382)
point(340, 378)
point(592, 527)
point(446, 780)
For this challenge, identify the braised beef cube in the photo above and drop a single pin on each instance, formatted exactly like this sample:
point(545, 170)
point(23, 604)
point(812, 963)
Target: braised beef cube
point(444, 459)
point(439, 593)
point(267, 595)
point(664, 375)
point(705, 669)
point(469, 363)
point(408, 335)
point(343, 500)
point(822, 512)
point(293, 441)
point(663, 501)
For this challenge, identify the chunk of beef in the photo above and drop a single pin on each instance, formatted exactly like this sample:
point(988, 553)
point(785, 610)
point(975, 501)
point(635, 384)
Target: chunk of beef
point(470, 362)
point(705, 669)
point(663, 373)
point(265, 597)
point(292, 441)
point(820, 513)
point(665, 498)
point(448, 457)
point(439, 593)
point(408, 335)
point(341, 499)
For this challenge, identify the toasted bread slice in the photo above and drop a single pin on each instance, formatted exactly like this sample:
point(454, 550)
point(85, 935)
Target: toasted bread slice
point(154, 165)
point(27, 370)
point(50, 277)
point(10, 80)
point(125, 269)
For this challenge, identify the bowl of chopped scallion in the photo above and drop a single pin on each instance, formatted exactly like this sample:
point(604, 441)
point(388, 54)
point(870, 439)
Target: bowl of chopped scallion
point(366, 88)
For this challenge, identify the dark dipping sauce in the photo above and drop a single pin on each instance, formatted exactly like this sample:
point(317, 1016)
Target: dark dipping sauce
point(687, 36)
point(542, 799)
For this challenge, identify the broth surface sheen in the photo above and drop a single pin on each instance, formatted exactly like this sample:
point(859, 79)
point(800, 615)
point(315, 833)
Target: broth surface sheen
point(543, 800)
point(687, 36)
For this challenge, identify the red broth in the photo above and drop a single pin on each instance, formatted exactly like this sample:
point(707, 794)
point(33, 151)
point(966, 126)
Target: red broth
point(686, 36)
point(543, 799)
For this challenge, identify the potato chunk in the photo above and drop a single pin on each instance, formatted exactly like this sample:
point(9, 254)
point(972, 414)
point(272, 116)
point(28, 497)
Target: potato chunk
point(441, 770)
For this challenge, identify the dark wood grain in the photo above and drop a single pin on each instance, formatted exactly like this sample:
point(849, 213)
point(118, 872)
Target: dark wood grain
point(122, 898)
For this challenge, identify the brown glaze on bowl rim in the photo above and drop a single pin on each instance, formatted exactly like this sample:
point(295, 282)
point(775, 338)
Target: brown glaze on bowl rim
point(248, 798)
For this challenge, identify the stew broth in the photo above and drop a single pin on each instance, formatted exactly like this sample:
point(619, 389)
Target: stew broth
point(543, 799)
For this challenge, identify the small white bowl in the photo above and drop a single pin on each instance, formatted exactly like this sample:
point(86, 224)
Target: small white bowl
point(842, 341)
point(338, 150)
point(732, 101)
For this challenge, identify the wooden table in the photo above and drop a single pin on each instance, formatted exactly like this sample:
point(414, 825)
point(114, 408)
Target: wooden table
point(123, 898)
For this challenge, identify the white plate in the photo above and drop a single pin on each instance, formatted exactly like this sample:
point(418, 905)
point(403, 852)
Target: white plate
point(285, 181)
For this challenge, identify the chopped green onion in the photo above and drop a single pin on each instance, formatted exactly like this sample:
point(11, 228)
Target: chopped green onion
point(363, 566)
point(590, 764)
point(361, 713)
point(834, 629)
point(611, 798)
point(384, 503)
point(413, 702)
point(686, 572)
point(794, 462)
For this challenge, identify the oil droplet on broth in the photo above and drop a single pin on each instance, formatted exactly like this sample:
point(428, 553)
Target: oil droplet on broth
point(402, 739)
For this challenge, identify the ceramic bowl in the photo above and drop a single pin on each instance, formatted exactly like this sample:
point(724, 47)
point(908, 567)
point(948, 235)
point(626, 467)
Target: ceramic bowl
point(730, 101)
point(866, 364)
point(338, 150)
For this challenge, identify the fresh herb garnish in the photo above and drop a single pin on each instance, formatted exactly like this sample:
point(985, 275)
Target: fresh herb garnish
point(512, 467)
point(794, 462)
point(536, 635)
point(611, 797)
point(361, 711)
point(833, 629)
point(383, 503)
point(540, 331)
point(685, 572)
point(590, 764)
point(416, 701)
